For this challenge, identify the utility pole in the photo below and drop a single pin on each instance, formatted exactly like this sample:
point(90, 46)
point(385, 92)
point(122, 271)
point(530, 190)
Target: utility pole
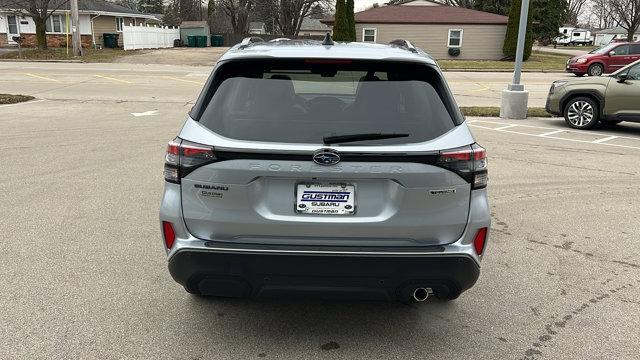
point(75, 29)
point(515, 97)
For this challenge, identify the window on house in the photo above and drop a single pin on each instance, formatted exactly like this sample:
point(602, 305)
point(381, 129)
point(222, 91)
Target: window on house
point(119, 24)
point(56, 24)
point(455, 38)
point(369, 35)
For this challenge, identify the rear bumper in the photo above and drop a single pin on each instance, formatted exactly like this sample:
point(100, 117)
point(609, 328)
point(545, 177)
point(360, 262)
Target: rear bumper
point(232, 274)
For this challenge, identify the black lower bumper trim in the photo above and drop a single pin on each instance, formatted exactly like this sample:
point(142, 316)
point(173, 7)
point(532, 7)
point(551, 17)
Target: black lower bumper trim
point(323, 276)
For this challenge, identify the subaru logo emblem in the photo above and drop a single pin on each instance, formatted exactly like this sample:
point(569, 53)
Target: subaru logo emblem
point(326, 157)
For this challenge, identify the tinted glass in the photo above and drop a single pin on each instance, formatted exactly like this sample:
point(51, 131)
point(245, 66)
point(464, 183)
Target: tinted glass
point(602, 50)
point(634, 72)
point(635, 49)
point(302, 103)
point(622, 50)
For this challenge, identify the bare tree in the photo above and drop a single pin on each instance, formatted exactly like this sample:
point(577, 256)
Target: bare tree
point(574, 9)
point(291, 13)
point(628, 14)
point(603, 13)
point(39, 11)
point(238, 13)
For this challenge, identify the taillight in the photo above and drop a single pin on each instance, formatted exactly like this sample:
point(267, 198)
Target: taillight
point(470, 162)
point(479, 240)
point(168, 233)
point(183, 157)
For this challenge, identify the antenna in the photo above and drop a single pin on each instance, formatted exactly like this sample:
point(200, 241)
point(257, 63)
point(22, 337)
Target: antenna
point(328, 41)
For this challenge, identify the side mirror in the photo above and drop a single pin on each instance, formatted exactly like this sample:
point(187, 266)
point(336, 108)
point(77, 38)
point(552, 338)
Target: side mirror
point(611, 53)
point(622, 78)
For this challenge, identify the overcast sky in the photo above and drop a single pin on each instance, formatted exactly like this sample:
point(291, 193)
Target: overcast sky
point(360, 5)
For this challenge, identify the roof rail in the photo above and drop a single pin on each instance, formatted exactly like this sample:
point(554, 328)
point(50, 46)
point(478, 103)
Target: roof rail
point(405, 44)
point(250, 40)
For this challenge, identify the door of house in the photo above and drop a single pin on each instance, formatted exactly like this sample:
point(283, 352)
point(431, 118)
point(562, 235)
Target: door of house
point(12, 22)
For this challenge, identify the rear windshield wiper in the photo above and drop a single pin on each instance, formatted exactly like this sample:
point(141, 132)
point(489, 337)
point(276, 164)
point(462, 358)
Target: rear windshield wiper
point(360, 137)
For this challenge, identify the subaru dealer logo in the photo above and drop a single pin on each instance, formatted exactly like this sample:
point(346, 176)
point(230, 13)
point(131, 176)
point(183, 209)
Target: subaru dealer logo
point(326, 157)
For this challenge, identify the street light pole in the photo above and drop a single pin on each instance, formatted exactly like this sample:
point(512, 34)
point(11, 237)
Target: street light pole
point(515, 97)
point(75, 29)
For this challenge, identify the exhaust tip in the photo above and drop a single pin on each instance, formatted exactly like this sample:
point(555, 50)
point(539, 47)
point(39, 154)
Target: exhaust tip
point(421, 294)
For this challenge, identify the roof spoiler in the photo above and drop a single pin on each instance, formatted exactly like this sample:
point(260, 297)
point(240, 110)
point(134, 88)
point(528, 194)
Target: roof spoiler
point(405, 44)
point(250, 40)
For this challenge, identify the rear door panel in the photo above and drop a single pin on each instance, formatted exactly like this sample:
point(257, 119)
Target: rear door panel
point(397, 204)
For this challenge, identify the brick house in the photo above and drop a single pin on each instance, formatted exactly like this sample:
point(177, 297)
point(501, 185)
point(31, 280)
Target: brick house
point(96, 18)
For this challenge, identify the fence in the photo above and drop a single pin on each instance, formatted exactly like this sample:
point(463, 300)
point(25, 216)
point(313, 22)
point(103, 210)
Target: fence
point(148, 37)
point(232, 39)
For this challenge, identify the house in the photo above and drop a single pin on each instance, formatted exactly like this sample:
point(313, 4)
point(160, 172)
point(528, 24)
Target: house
point(257, 28)
point(96, 18)
point(606, 36)
point(440, 30)
point(313, 27)
point(195, 28)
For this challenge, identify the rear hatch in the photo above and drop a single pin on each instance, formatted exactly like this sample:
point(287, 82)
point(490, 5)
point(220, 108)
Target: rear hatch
point(264, 161)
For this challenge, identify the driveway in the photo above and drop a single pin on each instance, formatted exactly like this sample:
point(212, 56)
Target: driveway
point(84, 274)
point(561, 50)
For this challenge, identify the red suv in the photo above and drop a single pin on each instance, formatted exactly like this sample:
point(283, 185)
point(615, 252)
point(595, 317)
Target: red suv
point(606, 59)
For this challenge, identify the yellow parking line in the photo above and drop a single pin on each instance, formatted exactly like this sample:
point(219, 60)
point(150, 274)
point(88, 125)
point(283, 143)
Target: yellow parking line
point(483, 88)
point(188, 81)
point(114, 79)
point(42, 77)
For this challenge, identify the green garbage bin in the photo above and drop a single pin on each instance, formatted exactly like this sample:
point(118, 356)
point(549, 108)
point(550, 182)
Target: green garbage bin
point(110, 40)
point(217, 40)
point(201, 41)
point(191, 41)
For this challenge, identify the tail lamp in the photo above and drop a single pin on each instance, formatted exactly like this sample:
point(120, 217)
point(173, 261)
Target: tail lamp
point(183, 156)
point(470, 162)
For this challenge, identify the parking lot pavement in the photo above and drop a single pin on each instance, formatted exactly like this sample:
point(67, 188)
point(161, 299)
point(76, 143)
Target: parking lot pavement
point(83, 272)
point(129, 82)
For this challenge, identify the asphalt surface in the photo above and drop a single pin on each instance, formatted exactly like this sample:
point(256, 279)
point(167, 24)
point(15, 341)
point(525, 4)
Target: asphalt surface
point(83, 274)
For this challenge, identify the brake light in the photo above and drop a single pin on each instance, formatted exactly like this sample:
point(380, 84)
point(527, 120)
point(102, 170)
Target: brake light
point(183, 157)
point(470, 162)
point(479, 240)
point(168, 233)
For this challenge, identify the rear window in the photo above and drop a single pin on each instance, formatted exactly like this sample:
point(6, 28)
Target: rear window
point(302, 101)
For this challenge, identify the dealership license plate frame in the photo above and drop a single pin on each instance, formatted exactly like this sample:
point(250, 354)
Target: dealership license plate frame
point(325, 187)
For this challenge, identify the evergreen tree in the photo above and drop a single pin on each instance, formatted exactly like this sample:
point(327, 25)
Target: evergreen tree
point(500, 7)
point(548, 16)
point(340, 22)
point(511, 38)
point(351, 21)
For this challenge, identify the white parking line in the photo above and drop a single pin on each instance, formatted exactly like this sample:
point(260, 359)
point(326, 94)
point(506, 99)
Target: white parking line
point(560, 138)
point(604, 139)
point(551, 133)
point(505, 127)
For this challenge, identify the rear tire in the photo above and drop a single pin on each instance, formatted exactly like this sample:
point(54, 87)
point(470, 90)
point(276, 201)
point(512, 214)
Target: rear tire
point(595, 70)
point(581, 113)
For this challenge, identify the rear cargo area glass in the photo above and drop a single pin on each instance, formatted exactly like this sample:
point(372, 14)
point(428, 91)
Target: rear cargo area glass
point(302, 101)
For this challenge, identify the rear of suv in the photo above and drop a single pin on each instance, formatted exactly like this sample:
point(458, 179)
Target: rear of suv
point(325, 170)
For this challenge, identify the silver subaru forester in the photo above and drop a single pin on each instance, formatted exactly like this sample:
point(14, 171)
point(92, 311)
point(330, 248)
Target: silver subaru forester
point(325, 169)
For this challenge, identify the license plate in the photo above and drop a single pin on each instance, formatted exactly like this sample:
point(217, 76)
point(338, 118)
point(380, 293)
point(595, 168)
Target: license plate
point(325, 199)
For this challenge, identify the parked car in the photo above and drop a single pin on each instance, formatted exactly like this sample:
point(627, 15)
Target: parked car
point(326, 170)
point(606, 59)
point(607, 99)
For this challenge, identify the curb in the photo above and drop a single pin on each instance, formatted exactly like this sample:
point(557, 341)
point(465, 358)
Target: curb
point(42, 61)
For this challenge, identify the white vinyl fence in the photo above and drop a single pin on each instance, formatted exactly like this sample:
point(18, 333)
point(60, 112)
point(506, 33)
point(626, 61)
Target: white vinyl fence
point(148, 37)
